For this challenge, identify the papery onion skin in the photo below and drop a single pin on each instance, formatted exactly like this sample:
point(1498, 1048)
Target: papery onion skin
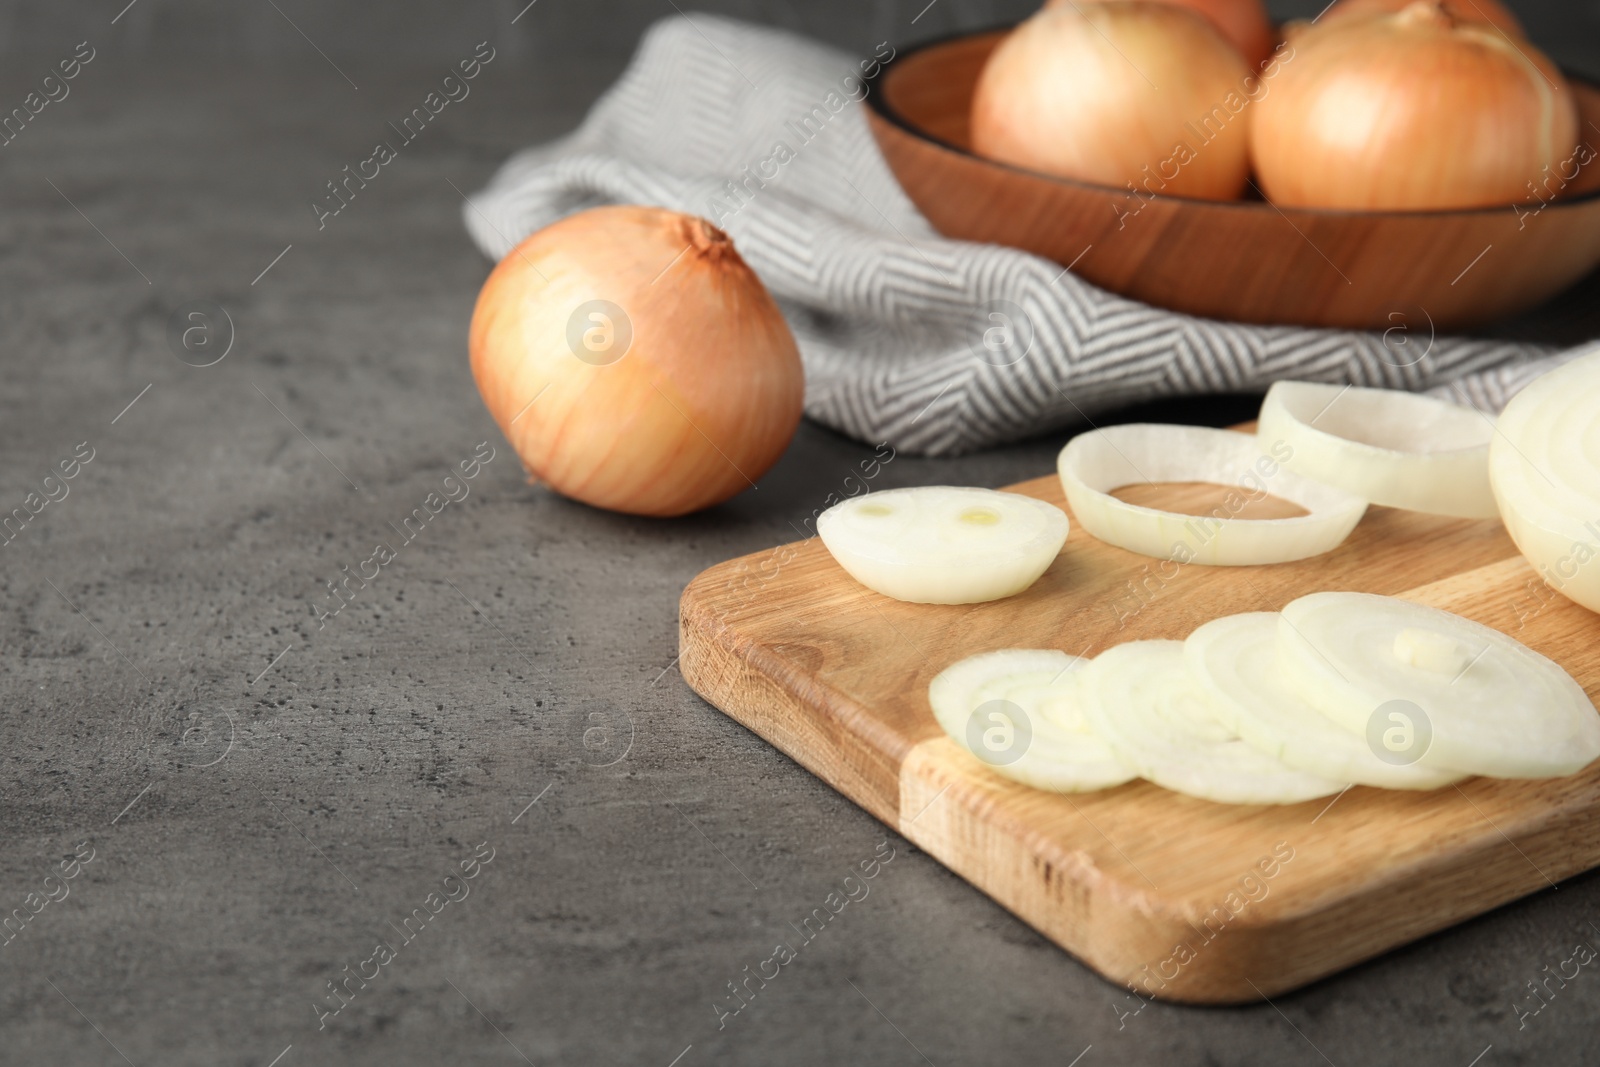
point(701, 403)
point(1245, 23)
point(1411, 112)
point(1112, 93)
point(1490, 12)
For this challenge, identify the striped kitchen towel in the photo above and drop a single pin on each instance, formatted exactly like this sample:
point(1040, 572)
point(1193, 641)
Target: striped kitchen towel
point(933, 345)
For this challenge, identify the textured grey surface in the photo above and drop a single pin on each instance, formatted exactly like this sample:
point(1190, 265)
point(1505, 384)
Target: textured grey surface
point(191, 30)
point(259, 822)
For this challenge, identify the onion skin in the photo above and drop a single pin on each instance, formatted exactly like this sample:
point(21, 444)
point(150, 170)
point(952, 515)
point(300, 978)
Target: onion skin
point(1411, 112)
point(1111, 93)
point(1245, 23)
point(1489, 12)
point(703, 401)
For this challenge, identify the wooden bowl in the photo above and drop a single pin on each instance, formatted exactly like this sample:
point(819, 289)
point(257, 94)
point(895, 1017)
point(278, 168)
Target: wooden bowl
point(1244, 260)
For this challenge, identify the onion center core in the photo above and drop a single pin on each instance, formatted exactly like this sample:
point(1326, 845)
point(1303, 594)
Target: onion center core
point(1429, 650)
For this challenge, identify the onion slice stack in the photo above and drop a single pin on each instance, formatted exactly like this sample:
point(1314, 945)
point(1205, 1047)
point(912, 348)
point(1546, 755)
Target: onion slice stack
point(1160, 722)
point(1466, 697)
point(1095, 463)
point(1386, 446)
point(942, 544)
point(1020, 712)
point(1235, 659)
point(1276, 708)
point(1544, 465)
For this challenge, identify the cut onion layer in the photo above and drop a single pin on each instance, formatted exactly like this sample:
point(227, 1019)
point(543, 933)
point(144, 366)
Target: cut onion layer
point(1020, 712)
point(1095, 463)
point(944, 545)
point(1428, 687)
point(1388, 447)
point(1235, 659)
point(1161, 723)
point(1544, 465)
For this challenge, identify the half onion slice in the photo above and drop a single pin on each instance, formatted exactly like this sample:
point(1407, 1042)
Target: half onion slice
point(1436, 689)
point(1388, 447)
point(1095, 463)
point(1143, 700)
point(1544, 465)
point(1235, 659)
point(939, 544)
point(1019, 712)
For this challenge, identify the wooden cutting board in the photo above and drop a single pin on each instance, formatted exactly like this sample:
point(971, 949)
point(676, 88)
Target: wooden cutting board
point(1178, 898)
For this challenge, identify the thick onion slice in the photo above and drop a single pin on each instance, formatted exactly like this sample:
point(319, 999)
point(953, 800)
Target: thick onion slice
point(1398, 449)
point(1161, 723)
point(1544, 465)
point(944, 545)
point(1235, 659)
point(1435, 688)
point(1095, 463)
point(1020, 712)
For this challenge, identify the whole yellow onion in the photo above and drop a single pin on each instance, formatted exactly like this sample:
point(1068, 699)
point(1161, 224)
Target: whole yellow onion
point(1245, 23)
point(1412, 110)
point(1491, 12)
point(635, 362)
point(1125, 91)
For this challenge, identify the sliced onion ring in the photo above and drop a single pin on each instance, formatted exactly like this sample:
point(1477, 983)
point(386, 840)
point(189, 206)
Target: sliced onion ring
point(1234, 659)
point(1434, 688)
point(941, 544)
point(1020, 712)
point(1095, 463)
point(1545, 468)
point(1142, 699)
point(1398, 449)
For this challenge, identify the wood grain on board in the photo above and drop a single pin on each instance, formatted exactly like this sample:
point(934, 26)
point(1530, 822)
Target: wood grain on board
point(1181, 898)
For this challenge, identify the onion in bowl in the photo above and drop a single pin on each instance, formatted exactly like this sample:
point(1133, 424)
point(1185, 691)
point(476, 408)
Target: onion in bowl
point(1411, 111)
point(1245, 23)
point(1118, 93)
point(1490, 12)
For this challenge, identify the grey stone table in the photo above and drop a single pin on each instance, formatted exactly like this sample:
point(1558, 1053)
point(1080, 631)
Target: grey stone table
point(248, 802)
